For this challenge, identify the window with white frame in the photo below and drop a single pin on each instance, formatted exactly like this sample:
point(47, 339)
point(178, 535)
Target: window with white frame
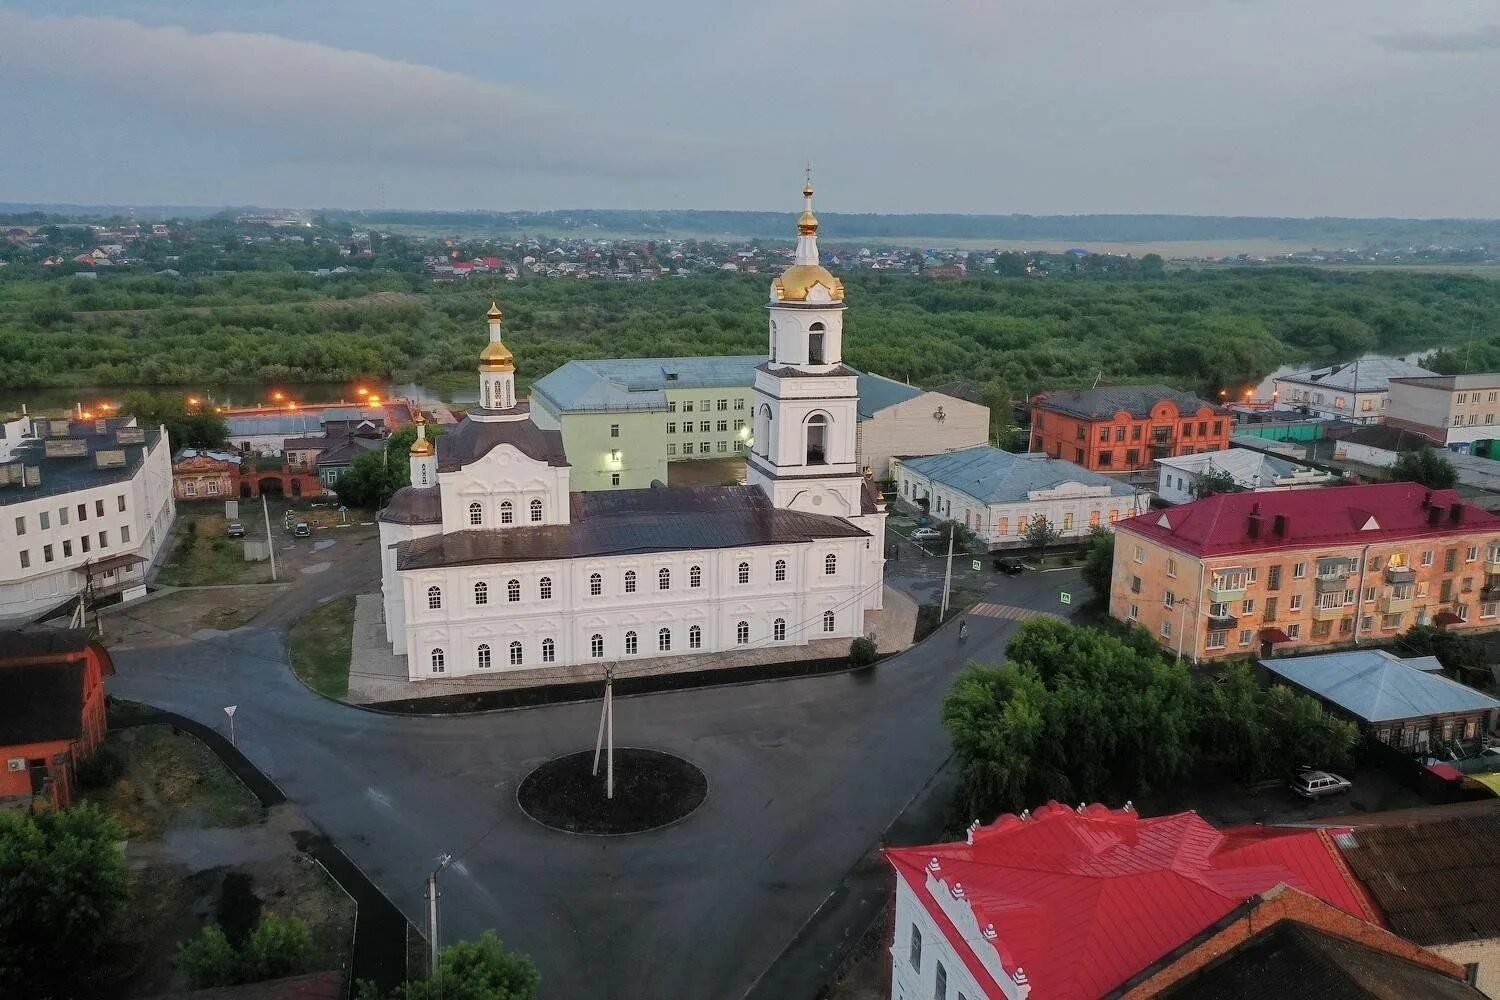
point(744, 572)
point(536, 510)
point(631, 643)
point(664, 640)
point(436, 659)
point(516, 653)
point(544, 588)
point(829, 620)
point(663, 579)
point(742, 632)
point(830, 564)
point(596, 645)
point(695, 576)
point(549, 651)
point(778, 630)
point(434, 598)
point(482, 656)
point(481, 593)
point(778, 571)
point(513, 591)
point(630, 581)
point(596, 584)
point(695, 637)
point(476, 513)
point(507, 512)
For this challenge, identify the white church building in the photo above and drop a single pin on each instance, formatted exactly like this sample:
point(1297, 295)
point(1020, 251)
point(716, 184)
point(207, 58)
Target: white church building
point(489, 562)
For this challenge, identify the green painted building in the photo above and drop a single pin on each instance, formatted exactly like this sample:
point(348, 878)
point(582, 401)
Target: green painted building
point(623, 419)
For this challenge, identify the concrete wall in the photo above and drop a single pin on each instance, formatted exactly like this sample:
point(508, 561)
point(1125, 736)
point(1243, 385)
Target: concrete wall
point(1484, 953)
point(910, 429)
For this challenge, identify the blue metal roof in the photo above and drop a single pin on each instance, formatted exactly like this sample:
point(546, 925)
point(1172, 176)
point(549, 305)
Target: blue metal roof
point(639, 383)
point(876, 393)
point(286, 424)
point(1373, 685)
point(995, 476)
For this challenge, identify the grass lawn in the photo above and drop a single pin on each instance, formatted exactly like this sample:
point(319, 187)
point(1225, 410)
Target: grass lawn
point(170, 779)
point(203, 555)
point(319, 645)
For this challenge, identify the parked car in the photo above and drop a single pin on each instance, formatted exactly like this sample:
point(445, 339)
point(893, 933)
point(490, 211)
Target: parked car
point(1317, 784)
point(926, 535)
point(301, 530)
point(235, 530)
point(1008, 566)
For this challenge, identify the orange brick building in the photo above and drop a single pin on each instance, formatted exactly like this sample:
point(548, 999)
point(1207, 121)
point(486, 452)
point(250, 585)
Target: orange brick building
point(52, 712)
point(1252, 573)
point(1125, 428)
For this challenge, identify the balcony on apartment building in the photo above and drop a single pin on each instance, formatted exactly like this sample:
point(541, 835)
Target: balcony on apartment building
point(1401, 598)
point(1228, 585)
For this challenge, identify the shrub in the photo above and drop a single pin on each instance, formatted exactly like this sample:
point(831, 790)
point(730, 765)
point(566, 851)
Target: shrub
point(101, 770)
point(862, 651)
point(277, 947)
point(209, 959)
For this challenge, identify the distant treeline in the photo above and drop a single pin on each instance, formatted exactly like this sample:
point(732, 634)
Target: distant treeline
point(1203, 330)
point(1323, 232)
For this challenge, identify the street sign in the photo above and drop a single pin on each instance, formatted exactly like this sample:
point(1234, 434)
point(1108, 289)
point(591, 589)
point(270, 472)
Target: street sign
point(976, 564)
point(229, 710)
point(1065, 597)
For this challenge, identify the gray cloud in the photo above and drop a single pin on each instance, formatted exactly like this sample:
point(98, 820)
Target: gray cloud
point(1475, 40)
point(323, 103)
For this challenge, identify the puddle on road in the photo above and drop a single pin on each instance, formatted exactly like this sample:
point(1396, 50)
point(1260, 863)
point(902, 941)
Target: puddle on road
point(316, 568)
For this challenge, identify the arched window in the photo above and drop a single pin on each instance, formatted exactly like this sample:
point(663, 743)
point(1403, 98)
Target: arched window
point(663, 579)
point(778, 630)
point(828, 621)
point(434, 598)
point(596, 645)
point(695, 638)
point(536, 510)
point(482, 656)
point(544, 588)
point(513, 591)
point(515, 654)
point(481, 593)
point(817, 439)
point(596, 584)
point(549, 651)
point(695, 576)
point(742, 633)
point(830, 564)
point(507, 512)
point(437, 661)
point(630, 581)
point(630, 643)
point(744, 574)
point(815, 335)
point(664, 640)
point(476, 513)
point(780, 570)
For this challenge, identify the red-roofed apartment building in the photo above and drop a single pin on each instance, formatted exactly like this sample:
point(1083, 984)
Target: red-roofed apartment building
point(52, 712)
point(1073, 904)
point(1240, 573)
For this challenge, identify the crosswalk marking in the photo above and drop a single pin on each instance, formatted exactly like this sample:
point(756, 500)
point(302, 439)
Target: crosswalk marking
point(1009, 612)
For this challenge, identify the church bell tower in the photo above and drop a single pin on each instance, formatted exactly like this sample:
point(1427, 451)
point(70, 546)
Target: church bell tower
point(804, 453)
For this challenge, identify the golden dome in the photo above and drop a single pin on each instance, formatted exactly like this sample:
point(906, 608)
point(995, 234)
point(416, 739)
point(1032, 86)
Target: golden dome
point(494, 312)
point(796, 281)
point(807, 223)
point(421, 446)
point(496, 357)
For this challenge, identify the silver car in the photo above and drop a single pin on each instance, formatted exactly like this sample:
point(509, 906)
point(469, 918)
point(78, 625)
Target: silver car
point(1316, 784)
point(926, 535)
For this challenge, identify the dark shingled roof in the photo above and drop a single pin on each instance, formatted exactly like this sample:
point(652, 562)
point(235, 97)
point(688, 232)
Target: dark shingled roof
point(471, 440)
point(16, 645)
point(623, 522)
point(1291, 960)
point(414, 505)
point(42, 701)
point(1106, 401)
point(1438, 882)
point(842, 371)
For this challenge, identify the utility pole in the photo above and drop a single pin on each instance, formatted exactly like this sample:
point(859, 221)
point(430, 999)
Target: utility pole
point(432, 917)
point(606, 738)
point(265, 510)
point(947, 578)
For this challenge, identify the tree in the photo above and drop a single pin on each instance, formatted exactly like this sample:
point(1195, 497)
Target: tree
point(862, 651)
point(1300, 731)
point(1230, 735)
point(277, 947)
point(479, 970)
point(62, 883)
point(1212, 481)
point(995, 395)
point(368, 483)
point(965, 539)
point(209, 959)
point(1424, 466)
point(186, 427)
point(1458, 653)
point(1099, 561)
point(1152, 266)
point(1041, 533)
point(996, 716)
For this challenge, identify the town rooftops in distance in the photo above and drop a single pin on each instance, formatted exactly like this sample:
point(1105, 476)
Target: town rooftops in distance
point(995, 476)
point(1365, 375)
point(1106, 401)
point(1231, 523)
point(638, 383)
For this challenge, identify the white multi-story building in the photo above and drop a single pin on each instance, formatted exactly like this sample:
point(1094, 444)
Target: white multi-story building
point(1178, 478)
point(1457, 412)
point(85, 505)
point(490, 562)
point(1357, 391)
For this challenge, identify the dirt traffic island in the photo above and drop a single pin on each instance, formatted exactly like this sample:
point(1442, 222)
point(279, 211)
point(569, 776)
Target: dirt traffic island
point(652, 790)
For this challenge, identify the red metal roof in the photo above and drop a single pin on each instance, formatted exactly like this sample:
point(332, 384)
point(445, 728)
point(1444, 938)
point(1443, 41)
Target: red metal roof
point(1221, 524)
point(1083, 900)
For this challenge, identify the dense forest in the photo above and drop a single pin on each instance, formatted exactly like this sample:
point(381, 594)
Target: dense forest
point(1200, 329)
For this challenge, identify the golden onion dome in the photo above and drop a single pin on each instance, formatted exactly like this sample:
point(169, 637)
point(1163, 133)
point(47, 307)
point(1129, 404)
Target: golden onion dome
point(794, 284)
point(807, 223)
point(494, 312)
point(421, 446)
point(496, 357)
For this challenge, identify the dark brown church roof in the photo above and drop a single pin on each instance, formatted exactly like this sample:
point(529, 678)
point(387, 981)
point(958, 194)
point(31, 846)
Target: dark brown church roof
point(471, 440)
point(414, 505)
point(626, 522)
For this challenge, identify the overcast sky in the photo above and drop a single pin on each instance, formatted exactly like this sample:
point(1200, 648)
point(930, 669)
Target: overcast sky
point(1254, 107)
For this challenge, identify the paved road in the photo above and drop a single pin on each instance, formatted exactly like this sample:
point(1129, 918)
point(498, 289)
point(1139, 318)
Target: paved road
point(804, 775)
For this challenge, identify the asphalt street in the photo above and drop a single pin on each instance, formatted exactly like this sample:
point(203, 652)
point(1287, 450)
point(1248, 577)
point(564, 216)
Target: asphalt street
point(804, 776)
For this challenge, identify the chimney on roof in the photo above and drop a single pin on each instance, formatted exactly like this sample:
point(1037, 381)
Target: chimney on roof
point(1279, 526)
point(1456, 513)
point(1255, 507)
point(1434, 515)
point(1252, 528)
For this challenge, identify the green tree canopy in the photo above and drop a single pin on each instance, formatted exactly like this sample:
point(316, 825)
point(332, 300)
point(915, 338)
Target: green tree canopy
point(1041, 533)
point(195, 427)
point(1425, 466)
point(1099, 561)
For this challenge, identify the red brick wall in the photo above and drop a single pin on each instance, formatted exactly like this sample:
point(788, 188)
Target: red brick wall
point(1057, 434)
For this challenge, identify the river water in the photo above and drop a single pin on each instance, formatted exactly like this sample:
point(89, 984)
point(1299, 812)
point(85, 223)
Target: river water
point(43, 401)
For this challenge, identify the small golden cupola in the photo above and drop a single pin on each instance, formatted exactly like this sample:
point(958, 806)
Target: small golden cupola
point(797, 283)
point(496, 357)
point(421, 446)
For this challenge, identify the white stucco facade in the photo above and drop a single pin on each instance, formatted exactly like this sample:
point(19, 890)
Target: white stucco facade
point(52, 537)
point(925, 961)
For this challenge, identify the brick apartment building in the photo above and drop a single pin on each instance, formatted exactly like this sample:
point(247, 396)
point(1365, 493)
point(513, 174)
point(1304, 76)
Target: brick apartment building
point(1126, 428)
point(52, 713)
point(1253, 573)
